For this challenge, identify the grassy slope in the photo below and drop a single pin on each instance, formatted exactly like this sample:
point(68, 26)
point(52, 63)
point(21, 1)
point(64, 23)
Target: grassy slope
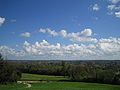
point(13, 86)
point(61, 86)
point(73, 86)
point(57, 85)
point(35, 77)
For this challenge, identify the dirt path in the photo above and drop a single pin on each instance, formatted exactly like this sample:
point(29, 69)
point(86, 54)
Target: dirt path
point(29, 85)
point(26, 83)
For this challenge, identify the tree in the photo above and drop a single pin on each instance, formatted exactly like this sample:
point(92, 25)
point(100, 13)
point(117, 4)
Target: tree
point(78, 73)
point(8, 72)
point(116, 79)
point(64, 69)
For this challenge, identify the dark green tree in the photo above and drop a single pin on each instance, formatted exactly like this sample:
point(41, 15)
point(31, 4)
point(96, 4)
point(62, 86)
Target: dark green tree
point(8, 72)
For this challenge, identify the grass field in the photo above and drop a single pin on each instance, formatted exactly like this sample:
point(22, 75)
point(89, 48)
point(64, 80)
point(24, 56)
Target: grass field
point(73, 86)
point(35, 77)
point(61, 86)
point(56, 85)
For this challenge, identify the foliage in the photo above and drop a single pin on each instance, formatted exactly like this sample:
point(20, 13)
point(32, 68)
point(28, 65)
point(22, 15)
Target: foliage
point(86, 71)
point(8, 73)
point(92, 73)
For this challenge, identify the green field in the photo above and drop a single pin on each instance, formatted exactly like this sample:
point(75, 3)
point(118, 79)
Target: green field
point(35, 77)
point(58, 85)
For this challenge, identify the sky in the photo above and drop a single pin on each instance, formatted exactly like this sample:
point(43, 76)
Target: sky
point(60, 29)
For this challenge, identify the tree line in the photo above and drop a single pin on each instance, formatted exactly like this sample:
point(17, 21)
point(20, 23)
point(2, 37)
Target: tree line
point(92, 71)
point(83, 71)
point(95, 73)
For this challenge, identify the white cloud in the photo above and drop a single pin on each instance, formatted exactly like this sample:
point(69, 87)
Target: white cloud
point(84, 39)
point(86, 32)
point(52, 32)
point(45, 48)
point(95, 7)
point(2, 20)
point(26, 34)
point(104, 49)
point(103, 46)
point(117, 14)
point(114, 9)
point(49, 31)
point(111, 7)
point(7, 51)
point(83, 36)
point(117, 8)
point(109, 46)
point(26, 43)
point(114, 1)
point(63, 33)
point(44, 43)
point(42, 30)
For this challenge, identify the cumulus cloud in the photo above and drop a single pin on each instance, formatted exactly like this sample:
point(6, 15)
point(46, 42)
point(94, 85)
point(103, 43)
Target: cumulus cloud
point(117, 8)
point(114, 8)
point(63, 33)
point(86, 32)
point(111, 7)
point(7, 51)
point(114, 1)
point(2, 20)
point(26, 34)
point(26, 43)
point(95, 7)
point(42, 30)
point(83, 36)
point(49, 31)
point(103, 49)
point(117, 14)
point(109, 46)
point(46, 48)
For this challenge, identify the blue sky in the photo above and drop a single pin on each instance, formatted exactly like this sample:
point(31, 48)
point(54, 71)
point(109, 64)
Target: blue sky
point(80, 28)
